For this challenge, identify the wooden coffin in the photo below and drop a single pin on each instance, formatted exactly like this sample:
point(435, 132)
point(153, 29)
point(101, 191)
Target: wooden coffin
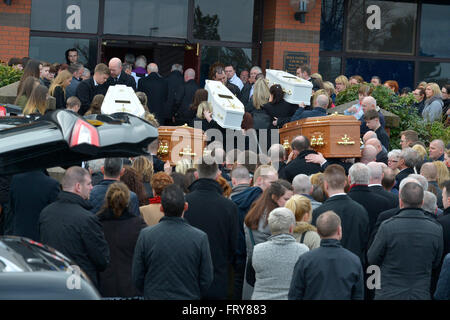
point(296, 90)
point(176, 143)
point(334, 136)
point(228, 110)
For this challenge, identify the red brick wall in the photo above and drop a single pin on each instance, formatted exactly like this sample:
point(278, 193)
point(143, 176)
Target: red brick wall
point(278, 14)
point(14, 40)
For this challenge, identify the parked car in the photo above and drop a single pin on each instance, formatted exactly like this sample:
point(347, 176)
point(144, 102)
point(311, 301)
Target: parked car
point(30, 270)
point(64, 138)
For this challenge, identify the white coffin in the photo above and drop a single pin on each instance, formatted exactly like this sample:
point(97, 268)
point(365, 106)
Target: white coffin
point(228, 110)
point(120, 98)
point(296, 90)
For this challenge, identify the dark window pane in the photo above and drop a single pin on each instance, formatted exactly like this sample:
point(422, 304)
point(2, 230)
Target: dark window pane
point(400, 71)
point(331, 25)
point(241, 58)
point(230, 20)
point(397, 27)
point(329, 68)
point(434, 26)
point(53, 49)
point(438, 72)
point(64, 15)
point(154, 18)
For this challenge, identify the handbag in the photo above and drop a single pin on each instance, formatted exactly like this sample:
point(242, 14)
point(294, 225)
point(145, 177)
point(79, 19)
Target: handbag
point(249, 271)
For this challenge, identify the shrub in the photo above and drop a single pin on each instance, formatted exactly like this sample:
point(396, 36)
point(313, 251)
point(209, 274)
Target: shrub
point(404, 109)
point(9, 75)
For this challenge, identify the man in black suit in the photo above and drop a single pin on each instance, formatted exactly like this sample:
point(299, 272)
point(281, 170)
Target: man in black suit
point(247, 90)
point(358, 178)
point(406, 162)
point(355, 220)
point(156, 89)
point(186, 97)
point(175, 85)
point(444, 219)
point(88, 88)
point(376, 176)
point(381, 154)
point(300, 147)
point(118, 76)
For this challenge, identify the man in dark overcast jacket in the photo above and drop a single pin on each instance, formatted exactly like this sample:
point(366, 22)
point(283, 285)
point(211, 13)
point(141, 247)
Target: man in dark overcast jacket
point(175, 85)
point(68, 226)
point(182, 113)
point(355, 219)
point(407, 247)
point(172, 259)
point(300, 145)
point(329, 272)
point(212, 213)
point(156, 89)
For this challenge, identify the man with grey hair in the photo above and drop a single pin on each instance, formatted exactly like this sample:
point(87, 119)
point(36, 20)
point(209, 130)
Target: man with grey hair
point(175, 86)
point(329, 272)
point(360, 192)
point(76, 69)
point(140, 68)
point(112, 170)
point(86, 74)
point(406, 163)
point(369, 103)
point(437, 150)
point(95, 169)
point(320, 109)
point(274, 260)
point(406, 260)
point(118, 76)
point(302, 186)
point(217, 216)
point(376, 176)
point(430, 204)
point(247, 93)
point(157, 90)
point(68, 226)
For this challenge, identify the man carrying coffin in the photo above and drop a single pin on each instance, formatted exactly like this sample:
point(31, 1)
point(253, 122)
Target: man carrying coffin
point(320, 109)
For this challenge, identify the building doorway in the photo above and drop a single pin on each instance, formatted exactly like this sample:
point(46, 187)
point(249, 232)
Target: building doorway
point(163, 54)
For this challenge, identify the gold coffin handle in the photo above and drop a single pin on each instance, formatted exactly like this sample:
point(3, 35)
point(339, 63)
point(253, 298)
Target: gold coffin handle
point(345, 140)
point(163, 149)
point(187, 152)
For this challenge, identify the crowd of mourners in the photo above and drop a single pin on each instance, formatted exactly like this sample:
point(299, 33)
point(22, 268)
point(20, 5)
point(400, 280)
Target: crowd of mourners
point(243, 222)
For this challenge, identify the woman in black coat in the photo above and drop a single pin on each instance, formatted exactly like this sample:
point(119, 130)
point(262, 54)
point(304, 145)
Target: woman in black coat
point(58, 88)
point(121, 229)
point(279, 109)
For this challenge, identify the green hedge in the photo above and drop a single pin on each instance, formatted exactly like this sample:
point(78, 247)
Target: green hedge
point(403, 108)
point(9, 75)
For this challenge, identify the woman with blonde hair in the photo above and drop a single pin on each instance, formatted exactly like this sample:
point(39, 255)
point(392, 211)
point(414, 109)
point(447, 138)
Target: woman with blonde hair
point(443, 173)
point(58, 88)
point(261, 94)
point(432, 110)
point(96, 105)
point(341, 83)
point(421, 151)
point(304, 232)
point(121, 229)
point(37, 103)
point(329, 88)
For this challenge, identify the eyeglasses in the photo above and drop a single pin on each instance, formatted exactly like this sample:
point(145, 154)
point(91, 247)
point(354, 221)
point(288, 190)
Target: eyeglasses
point(392, 160)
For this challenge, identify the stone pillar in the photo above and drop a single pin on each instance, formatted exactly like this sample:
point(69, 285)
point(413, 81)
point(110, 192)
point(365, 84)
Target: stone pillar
point(285, 38)
point(15, 29)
